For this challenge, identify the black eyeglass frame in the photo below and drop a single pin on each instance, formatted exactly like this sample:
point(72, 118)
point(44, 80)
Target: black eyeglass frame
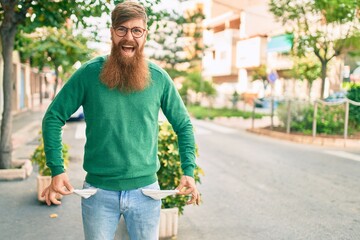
point(131, 31)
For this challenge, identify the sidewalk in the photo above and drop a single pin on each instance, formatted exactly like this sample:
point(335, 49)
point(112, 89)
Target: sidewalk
point(26, 128)
point(22, 215)
point(260, 124)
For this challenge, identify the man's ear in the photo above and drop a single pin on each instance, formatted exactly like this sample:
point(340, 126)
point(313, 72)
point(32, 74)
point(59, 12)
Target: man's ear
point(146, 34)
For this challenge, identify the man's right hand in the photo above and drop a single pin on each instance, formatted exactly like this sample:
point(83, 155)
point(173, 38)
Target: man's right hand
point(59, 184)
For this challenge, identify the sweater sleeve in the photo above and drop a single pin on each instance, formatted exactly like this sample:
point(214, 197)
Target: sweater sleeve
point(175, 111)
point(66, 102)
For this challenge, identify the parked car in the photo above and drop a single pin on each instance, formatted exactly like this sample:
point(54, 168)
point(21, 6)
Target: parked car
point(266, 103)
point(78, 115)
point(336, 97)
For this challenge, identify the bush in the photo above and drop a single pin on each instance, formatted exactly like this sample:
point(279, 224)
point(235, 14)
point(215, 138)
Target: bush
point(38, 157)
point(354, 113)
point(203, 112)
point(170, 172)
point(329, 120)
point(301, 116)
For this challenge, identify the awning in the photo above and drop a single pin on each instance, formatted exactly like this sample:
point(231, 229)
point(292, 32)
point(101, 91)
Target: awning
point(280, 43)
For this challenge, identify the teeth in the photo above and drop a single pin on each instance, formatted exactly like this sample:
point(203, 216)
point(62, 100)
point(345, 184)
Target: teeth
point(127, 46)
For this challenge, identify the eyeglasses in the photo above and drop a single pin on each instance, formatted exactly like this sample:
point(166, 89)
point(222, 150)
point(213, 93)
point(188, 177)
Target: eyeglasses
point(136, 32)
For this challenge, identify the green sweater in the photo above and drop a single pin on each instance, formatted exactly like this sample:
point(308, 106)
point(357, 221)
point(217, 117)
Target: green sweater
point(121, 128)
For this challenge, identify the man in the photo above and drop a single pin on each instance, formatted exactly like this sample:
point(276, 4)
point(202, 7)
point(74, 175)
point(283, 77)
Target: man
point(121, 96)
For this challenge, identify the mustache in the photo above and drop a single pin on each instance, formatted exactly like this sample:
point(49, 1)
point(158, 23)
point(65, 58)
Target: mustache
point(127, 42)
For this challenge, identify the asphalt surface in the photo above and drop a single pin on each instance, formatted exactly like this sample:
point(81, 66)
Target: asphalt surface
point(264, 188)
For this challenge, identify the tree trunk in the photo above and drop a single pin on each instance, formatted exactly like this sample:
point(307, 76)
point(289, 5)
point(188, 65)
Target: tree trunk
point(56, 81)
point(8, 31)
point(310, 83)
point(323, 77)
point(265, 84)
point(40, 88)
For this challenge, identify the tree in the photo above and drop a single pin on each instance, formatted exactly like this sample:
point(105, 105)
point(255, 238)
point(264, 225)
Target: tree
point(327, 28)
point(29, 15)
point(177, 43)
point(195, 82)
point(58, 48)
point(168, 47)
point(306, 69)
point(260, 73)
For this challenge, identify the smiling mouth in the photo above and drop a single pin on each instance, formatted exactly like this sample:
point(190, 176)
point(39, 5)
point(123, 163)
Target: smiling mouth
point(128, 48)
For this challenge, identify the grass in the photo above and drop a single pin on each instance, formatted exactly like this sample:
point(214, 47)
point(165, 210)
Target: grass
point(199, 112)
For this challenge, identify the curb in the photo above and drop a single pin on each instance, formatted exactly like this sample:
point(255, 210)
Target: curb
point(245, 124)
point(322, 141)
point(21, 170)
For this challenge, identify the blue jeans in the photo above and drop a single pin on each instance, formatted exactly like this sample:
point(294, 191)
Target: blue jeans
point(101, 214)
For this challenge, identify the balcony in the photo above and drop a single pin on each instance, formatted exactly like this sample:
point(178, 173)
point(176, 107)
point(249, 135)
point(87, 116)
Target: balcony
point(220, 60)
point(251, 52)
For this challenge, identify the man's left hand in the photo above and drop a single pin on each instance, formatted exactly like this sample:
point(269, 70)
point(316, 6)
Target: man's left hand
point(186, 187)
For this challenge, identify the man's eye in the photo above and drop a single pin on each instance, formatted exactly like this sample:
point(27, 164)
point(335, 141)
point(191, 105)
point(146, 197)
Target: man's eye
point(122, 29)
point(137, 30)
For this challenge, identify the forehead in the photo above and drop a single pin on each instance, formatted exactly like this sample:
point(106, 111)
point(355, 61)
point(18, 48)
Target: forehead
point(137, 22)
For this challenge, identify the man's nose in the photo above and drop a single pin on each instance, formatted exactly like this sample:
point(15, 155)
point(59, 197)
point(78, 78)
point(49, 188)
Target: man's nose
point(128, 35)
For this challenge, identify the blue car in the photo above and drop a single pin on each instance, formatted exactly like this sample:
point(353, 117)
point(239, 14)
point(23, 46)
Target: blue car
point(266, 103)
point(336, 97)
point(78, 115)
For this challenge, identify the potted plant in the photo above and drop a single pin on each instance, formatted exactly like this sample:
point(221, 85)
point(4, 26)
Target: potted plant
point(169, 176)
point(44, 177)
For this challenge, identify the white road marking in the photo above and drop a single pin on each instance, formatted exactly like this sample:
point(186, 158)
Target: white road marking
point(80, 131)
point(201, 128)
point(346, 155)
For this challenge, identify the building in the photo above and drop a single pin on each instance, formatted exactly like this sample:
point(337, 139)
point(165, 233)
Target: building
point(27, 84)
point(243, 37)
point(237, 33)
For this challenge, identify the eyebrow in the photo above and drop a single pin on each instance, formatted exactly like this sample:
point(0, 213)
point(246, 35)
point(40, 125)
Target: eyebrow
point(130, 27)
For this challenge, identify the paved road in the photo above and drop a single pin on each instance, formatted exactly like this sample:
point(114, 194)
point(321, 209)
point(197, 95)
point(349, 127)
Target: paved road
point(262, 188)
point(254, 188)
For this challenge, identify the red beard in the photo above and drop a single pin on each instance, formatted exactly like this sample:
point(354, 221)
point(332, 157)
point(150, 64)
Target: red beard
point(128, 74)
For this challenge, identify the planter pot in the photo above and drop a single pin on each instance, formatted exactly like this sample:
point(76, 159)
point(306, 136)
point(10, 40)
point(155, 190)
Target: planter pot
point(42, 183)
point(168, 225)
point(169, 219)
point(21, 169)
